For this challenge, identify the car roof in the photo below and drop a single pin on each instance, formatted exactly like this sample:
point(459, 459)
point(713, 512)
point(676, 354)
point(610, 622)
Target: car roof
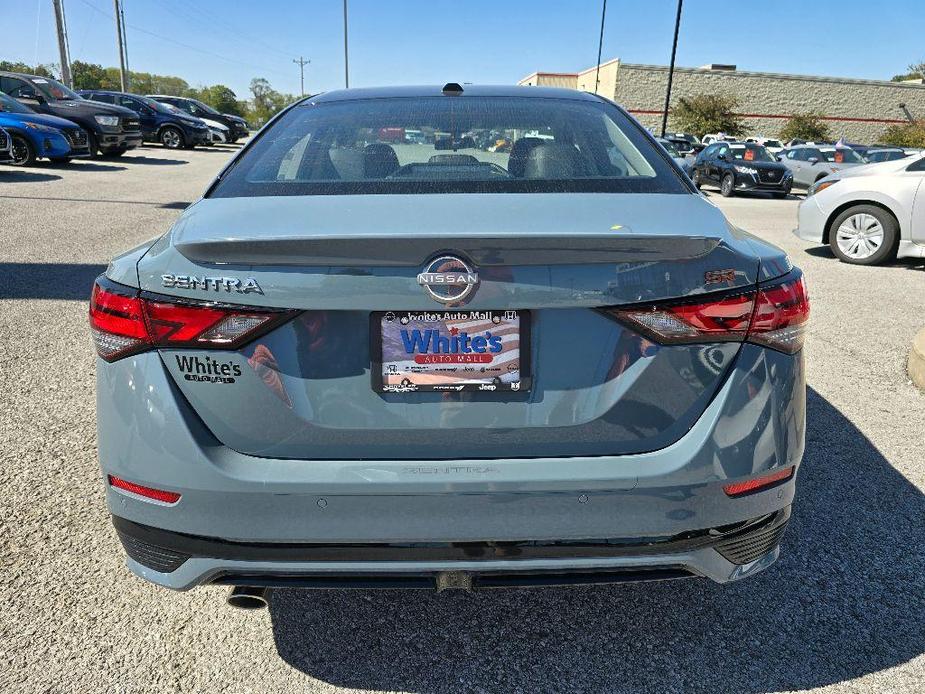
point(437, 90)
point(108, 91)
point(25, 75)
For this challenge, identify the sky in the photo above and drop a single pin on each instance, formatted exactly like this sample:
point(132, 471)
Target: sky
point(436, 41)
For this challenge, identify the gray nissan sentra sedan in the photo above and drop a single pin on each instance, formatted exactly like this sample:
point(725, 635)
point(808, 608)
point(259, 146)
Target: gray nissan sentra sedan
point(463, 337)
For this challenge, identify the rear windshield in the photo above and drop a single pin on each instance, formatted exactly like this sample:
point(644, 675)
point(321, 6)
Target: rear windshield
point(670, 147)
point(750, 153)
point(842, 155)
point(450, 144)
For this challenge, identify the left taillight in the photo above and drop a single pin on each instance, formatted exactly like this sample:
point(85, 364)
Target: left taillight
point(773, 315)
point(125, 321)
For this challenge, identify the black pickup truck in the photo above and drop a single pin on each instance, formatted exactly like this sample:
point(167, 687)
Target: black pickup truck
point(112, 130)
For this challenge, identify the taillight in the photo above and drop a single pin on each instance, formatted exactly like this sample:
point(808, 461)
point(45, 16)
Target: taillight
point(781, 312)
point(774, 316)
point(117, 322)
point(125, 321)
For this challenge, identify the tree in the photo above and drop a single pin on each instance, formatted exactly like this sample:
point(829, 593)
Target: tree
point(906, 135)
point(267, 101)
point(707, 113)
point(46, 70)
point(805, 126)
point(221, 98)
point(916, 72)
point(92, 76)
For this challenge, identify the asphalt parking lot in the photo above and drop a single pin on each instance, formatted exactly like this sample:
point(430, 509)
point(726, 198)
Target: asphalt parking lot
point(844, 609)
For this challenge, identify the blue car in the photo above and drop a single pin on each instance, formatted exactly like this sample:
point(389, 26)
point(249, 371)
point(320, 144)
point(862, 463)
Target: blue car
point(6, 147)
point(35, 135)
point(361, 361)
point(173, 129)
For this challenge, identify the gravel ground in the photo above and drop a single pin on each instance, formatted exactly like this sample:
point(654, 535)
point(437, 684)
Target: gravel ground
point(843, 611)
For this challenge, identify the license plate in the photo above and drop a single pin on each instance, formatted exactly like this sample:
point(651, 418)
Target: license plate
point(485, 351)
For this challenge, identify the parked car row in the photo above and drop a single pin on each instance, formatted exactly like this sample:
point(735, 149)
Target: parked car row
point(45, 119)
point(735, 166)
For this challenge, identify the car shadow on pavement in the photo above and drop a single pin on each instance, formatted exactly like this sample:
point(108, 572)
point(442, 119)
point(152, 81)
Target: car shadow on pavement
point(906, 263)
point(23, 176)
point(68, 281)
point(154, 161)
point(81, 165)
point(819, 251)
point(846, 599)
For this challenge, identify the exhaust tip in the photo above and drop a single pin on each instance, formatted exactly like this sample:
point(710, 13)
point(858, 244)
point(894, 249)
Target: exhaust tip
point(248, 598)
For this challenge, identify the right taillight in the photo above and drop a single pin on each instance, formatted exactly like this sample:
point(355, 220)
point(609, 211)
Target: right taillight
point(773, 315)
point(125, 321)
point(781, 312)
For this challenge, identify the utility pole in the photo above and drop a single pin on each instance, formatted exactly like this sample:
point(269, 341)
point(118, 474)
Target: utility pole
point(346, 68)
point(301, 62)
point(128, 72)
point(121, 40)
point(674, 50)
point(62, 43)
point(600, 47)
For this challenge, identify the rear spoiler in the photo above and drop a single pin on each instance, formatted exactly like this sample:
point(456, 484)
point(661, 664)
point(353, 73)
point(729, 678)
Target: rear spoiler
point(378, 251)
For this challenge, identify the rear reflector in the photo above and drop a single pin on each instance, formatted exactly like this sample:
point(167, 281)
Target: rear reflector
point(140, 490)
point(758, 483)
point(774, 316)
point(125, 321)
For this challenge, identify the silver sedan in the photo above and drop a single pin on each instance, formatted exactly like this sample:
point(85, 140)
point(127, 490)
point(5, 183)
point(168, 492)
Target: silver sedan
point(870, 214)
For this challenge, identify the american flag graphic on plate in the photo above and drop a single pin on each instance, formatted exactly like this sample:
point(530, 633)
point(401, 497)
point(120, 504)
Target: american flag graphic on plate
point(451, 350)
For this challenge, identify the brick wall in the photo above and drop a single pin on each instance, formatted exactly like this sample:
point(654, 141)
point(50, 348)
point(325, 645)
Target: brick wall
point(859, 110)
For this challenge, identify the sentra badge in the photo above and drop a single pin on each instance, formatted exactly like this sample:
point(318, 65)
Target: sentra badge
point(247, 285)
point(448, 279)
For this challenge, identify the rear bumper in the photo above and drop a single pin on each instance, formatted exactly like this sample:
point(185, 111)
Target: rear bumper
point(179, 561)
point(150, 436)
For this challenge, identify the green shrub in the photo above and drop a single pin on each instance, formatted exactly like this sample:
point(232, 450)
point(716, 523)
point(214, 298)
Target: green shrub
point(805, 126)
point(906, 135)
point(707, 113)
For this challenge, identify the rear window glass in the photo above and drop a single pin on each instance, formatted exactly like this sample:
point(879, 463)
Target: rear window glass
point(750, 153)
point(842, 156)
point(449, 144)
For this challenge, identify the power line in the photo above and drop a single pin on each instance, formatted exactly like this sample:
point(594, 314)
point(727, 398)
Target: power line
point(183, 45)
point(211, 22)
